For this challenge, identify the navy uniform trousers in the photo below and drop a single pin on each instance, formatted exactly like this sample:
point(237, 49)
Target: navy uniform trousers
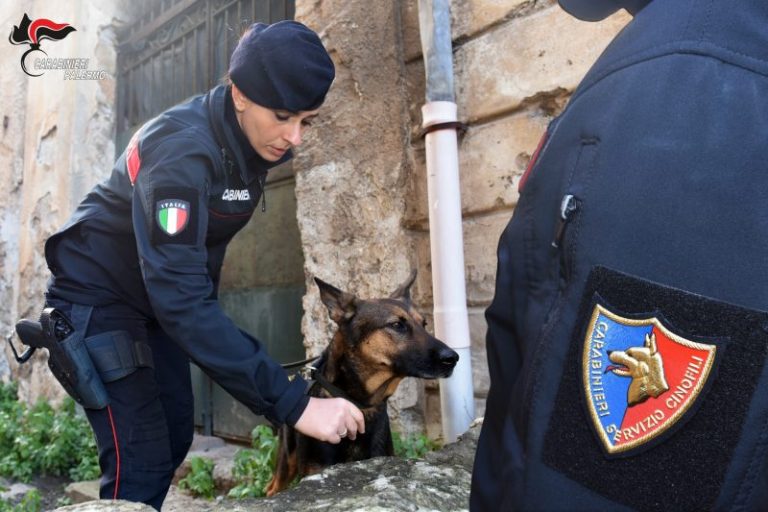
point(145, 432)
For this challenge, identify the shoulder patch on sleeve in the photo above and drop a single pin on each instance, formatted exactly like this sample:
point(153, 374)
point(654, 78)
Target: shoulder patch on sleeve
point(667, 378)
point(174, 216)
point(133, 158)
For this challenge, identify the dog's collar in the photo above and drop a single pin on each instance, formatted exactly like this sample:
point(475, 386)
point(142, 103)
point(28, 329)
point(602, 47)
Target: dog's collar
point(304, 363)
point(310, 371)
point(335, 391)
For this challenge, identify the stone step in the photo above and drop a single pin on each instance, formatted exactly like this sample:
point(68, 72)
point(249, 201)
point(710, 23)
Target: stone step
point(80, 492)
point(440, 481)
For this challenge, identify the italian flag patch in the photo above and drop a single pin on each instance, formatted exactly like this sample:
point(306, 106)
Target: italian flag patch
point(172, 215)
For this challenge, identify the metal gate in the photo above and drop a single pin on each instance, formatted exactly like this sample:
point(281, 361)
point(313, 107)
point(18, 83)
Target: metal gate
point(178, 48)
point(174, 50)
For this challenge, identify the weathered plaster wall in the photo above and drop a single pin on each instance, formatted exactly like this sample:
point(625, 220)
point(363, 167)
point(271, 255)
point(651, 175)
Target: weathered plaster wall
point(352, 174)
point(13, 114)
point(56, 143)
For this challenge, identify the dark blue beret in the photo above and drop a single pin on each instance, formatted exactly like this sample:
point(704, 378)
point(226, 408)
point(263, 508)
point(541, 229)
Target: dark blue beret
point(282, 66)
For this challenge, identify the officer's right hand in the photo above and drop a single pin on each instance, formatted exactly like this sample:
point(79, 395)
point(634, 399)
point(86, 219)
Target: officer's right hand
point(330, 420)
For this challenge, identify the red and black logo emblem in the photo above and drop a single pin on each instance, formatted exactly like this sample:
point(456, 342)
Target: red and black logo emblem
point(33, 32)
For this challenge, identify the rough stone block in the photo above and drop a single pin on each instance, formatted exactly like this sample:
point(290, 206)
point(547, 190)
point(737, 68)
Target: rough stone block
point(471, 16)
point(432, 412)
point(409, 19)
point(81, 492)
point(415, 84)
point(467, 18)
point(492, 159)
point(477, 329)
point(481, 238)
point(441, 482)
point(546, 52)
point(494, 156)
point(109, 506)
point(424, 297)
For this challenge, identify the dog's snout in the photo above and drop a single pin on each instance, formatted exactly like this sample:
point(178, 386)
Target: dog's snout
point(448, 357)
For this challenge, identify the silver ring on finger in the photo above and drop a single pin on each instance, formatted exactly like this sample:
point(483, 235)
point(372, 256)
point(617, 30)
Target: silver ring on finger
point(343, 433)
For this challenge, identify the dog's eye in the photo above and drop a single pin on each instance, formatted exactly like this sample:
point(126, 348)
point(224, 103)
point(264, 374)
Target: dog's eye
point(399, 326)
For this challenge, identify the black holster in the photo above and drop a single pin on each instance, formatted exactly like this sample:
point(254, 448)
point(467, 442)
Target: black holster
point(82, 365)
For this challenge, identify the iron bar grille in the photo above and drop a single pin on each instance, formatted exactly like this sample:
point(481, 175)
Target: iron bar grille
point(179, 48)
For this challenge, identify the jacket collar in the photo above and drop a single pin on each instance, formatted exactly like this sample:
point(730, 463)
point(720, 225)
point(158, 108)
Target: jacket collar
point(232, 141)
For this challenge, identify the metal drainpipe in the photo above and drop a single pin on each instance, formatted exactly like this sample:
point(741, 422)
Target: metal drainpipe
point(445, 226)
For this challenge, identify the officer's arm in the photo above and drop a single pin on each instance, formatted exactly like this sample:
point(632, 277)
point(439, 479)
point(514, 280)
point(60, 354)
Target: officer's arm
point(504, 357)
point(170, 218)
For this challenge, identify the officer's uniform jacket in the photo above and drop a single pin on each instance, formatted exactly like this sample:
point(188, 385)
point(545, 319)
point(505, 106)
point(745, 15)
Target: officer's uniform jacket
point(154, 234)
point(628, 338)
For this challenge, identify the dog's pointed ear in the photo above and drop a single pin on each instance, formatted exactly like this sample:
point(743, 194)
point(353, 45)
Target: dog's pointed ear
point(403, 292)
point(341, 305)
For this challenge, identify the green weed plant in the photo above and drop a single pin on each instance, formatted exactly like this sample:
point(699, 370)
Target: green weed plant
point(42, 440)
point(199, 481)
point(414, 446)
point(253, 466)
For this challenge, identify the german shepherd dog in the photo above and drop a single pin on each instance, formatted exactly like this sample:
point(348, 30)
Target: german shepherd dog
point(377, 344)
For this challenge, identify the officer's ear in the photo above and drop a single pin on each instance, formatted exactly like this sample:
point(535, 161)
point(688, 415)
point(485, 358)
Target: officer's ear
point(239, 99)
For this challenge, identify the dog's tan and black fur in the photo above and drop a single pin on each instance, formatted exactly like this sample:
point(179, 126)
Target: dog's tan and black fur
point(377, 344)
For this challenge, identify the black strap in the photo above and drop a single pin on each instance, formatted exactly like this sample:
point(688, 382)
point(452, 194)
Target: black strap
point(335, 391)
point(115, 354)
point(312, 373)
point(303, 362)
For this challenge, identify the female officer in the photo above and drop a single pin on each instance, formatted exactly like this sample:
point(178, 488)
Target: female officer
point(137, 266)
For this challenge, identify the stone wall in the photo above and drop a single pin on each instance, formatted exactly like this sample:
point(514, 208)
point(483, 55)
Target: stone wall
point(361, 180)
point(352, 173)
point(57, 141)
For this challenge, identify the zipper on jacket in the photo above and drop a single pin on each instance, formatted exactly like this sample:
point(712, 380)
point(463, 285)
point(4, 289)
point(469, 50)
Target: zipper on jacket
point(228, 164)
point(263, 185)
point(568, 207)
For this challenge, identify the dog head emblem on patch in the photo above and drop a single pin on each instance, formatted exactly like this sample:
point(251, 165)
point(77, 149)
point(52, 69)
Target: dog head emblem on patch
point(172, 215)
point(639, 379)
point(644, 366)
